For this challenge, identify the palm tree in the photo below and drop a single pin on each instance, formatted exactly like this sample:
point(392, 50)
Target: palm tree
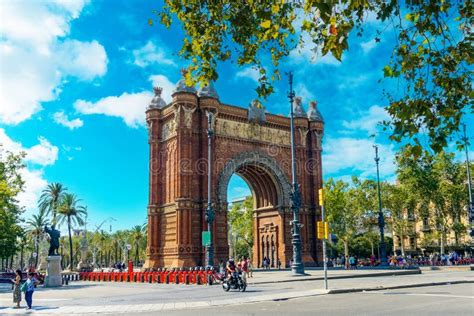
point(22, 242)
point(70, 212)
point(36, 229)
point(137, 233)
point(51, 198)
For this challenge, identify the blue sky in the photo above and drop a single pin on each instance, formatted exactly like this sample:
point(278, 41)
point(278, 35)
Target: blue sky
point(76, 77)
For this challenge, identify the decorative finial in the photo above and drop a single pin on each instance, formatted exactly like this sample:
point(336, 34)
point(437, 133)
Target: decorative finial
point(313, 114)
point(298, 107)
point(298, 100)
point(158, 91)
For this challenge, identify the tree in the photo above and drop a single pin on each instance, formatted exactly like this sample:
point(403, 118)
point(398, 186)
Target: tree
point(240, 218)
point(343, 217)
point(51, 198)
point(137, 235)
point(431, 57)
point(36, 230)
point(437, 182)
point(452, 188)
point(70, 212)
point(11, 184)
point(401, 206)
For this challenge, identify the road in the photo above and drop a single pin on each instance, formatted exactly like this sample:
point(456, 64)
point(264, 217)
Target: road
point(434, 300)
point(137, 298)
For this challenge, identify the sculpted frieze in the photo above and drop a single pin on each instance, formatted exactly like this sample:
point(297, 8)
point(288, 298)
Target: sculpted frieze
point(252, 131)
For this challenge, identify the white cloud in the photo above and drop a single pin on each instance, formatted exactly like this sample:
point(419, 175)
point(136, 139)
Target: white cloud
point(84, 60)
point(63, 119)
point(43, 154)
point(369, 120)
point(352, 81)
point(151, 53)
point(368, 46)
point(248, 73)
point(35, 59)
point(130, 107)
point(307, 96)
point(307, 52)
point(35, 183)
point(40, 155)
point(355, 156)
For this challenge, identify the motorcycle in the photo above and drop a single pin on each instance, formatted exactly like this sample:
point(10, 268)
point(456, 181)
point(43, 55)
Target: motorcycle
point(235, 282)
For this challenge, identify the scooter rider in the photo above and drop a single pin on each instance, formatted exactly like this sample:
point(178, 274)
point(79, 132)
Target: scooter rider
point(230, 268)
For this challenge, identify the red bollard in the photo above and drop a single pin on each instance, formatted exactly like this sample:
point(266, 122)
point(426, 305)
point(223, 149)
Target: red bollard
point(192, 278)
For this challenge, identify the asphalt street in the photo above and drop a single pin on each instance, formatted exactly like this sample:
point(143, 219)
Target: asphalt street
point(280, 297)
point(434, 300)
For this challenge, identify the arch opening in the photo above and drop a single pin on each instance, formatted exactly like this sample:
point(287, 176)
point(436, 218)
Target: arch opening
point(267, 189)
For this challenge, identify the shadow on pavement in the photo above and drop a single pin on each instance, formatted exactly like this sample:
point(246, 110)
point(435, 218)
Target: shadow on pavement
point(66, 287)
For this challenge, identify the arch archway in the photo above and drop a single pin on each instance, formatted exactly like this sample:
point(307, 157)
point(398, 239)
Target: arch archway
point(270, 189)
point(262, 174)
point(255, 147)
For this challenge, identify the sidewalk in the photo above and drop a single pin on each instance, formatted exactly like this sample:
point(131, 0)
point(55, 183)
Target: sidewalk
point(85, 299)
point(278, 276)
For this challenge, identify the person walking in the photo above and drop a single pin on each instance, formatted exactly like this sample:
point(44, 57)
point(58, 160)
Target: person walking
point(250, 267)
point(30, 288)
point(16, 288)
point(351, 262)
point(245, 268)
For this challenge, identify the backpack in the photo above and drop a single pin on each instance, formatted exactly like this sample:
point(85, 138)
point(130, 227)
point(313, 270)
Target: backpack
point(23, 287)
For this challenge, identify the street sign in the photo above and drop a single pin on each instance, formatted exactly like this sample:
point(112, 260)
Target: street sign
point(34, 254)
point(128, 246)
point(206, 238)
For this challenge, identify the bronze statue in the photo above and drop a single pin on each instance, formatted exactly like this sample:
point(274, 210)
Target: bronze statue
point(54, 235)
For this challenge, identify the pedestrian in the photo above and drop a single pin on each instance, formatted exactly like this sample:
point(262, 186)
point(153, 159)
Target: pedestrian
point(30, 288)
point(16, 288)
point(279, 264)
point(352, 262)
point(245, 268)
point(221, 267)
point(250, 267)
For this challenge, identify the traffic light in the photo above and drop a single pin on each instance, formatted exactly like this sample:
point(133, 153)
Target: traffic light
point(322, 230)
point(321, 201)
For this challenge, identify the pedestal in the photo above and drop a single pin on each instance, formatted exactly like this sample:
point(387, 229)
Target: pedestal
point(53, 272)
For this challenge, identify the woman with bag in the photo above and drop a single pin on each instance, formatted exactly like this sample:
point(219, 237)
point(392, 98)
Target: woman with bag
point(16, 288)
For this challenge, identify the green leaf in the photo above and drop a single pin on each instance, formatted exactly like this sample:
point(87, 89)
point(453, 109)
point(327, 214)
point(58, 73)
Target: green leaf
point(387, 71)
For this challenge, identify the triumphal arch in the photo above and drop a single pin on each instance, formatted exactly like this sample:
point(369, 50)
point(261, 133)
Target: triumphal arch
point(248, 142)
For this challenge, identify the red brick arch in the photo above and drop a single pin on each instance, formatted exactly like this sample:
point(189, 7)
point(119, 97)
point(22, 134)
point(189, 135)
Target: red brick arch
point(258, 151)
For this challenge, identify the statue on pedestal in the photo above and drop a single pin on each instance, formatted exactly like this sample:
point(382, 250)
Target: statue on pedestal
point(54, 235)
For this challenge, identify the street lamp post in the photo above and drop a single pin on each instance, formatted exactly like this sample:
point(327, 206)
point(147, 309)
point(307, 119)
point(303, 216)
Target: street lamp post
point(209, 211)
point(297, 267)
point(383, 253)
point(469, 186)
